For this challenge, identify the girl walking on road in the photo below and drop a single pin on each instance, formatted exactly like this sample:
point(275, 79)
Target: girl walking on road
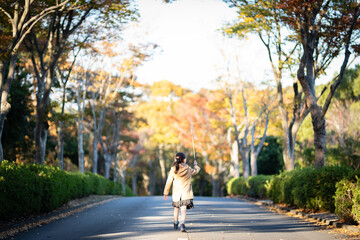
point(182, 193)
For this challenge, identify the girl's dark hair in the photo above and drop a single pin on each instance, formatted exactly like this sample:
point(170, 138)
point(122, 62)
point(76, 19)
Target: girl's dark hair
point(178, 159)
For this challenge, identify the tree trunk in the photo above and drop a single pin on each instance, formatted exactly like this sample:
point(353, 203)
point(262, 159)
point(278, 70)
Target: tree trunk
point(162, 164)
point(235, 159)
point(255, 151)
point(95, 153)
point(134, 182)
point(253, 158)
point(115, 144)
point(2, 116)
point(81, 99)
point(60, 145)
point(288, 147)
point(146, 182)
point(288, 155)
point(115, 159)
point(97, 133)
point(100, 127)
point(152, 177)
point(6, 109)
point(234, 155)
point(81, 144)
point(37, 133)
point(243, 146)
point(41, 133)
point(107, 165)
point(123, 181)
point(2, 120)
point(42, 101)
point(43, 140)
point(40, 136)
point(245, 160)
point(319, 137)
point(122, 173)
point(215, 185)
point(5, 90)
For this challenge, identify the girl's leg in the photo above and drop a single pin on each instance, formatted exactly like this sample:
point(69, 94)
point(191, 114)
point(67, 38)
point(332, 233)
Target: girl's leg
point(183, 214)
point(176, 215)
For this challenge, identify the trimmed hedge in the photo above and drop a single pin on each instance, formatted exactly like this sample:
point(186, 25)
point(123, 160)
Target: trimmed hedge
point(344, 200)
point(308, 188)
point(331, 188)
point(252, 186)
point(347, 200)
point(356, 202)
point(30, 189)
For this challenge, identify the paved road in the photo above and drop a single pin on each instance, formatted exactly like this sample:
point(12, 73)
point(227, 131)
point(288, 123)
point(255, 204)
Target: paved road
point(151, 218)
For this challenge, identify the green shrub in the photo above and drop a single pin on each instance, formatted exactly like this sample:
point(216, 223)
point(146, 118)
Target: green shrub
point(322, 190)
point(30, 189)
point(230, 186)
point(129, 192)
point(276, 189)
point(344, 200)
point(240, 187)
point(19, 193)
point(252, 186)
point(356, 202)
point(257, 186)
point(308, 188)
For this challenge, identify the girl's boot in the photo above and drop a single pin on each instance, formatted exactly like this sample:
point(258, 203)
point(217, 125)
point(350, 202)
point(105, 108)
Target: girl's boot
point(176, 225)
point(182, 228)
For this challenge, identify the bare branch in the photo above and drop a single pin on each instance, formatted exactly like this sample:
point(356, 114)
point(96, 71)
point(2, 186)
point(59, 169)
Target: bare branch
point(264, 134)
point(24, 15)
point(34, 20)
point(6, 13)
point(335, 85)
point(291, 53)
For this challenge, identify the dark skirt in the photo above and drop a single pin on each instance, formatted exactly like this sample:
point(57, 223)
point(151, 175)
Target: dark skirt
point(188, 203)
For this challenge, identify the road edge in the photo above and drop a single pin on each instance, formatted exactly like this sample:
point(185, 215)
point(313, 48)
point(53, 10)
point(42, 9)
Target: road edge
point(51, 217)
point(319, 219)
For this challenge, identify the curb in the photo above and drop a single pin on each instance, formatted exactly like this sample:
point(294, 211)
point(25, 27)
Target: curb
point(321, 219)
point(16, 228)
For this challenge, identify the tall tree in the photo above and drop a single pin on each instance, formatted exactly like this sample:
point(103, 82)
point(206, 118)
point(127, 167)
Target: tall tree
point(252, 115)
point(114, 96)
point(265, 111)
point(325, 29)
point(241, 137)
point(194, 119)
point(18, 19)
point(157, 113)
point(48, 42)
point(80, 93)
point(64, 70)
point(263, 18)
point(17, 136)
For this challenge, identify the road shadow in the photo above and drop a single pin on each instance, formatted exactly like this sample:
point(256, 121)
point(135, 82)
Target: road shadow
point(154, 217)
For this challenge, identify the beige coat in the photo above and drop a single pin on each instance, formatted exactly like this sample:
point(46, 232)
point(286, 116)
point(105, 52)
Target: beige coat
point(182, 188)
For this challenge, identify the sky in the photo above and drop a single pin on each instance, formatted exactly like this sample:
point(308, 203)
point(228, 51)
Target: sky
point(193, 52)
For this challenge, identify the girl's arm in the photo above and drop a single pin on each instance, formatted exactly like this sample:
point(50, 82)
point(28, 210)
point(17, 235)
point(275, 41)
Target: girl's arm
point(169, 181)
point(196, 168)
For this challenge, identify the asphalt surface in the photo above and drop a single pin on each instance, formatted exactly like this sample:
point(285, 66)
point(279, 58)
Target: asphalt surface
point(152, 217)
